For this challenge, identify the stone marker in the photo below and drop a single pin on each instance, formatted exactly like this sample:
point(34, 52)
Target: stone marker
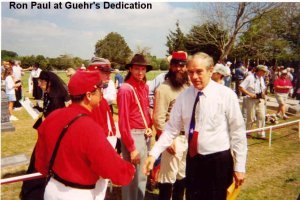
point(294, 109)
point(14, 160)
point(6, 125)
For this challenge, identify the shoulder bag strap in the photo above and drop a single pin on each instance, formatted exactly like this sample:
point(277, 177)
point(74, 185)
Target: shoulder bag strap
point(139, 105)
point(62, 134)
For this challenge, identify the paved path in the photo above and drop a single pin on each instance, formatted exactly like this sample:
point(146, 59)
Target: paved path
point(293, 106)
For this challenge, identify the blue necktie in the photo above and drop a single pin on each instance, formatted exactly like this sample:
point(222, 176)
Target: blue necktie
point(193, 136)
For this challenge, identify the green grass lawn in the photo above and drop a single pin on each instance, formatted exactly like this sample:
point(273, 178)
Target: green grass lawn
point(272, 173)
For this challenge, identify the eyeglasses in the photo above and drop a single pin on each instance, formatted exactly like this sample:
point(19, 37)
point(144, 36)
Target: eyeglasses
point(97, 89)
point(102, 85)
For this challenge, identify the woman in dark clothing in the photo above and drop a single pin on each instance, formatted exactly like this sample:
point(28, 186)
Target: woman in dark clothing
point(55, 92)
point(55, 96)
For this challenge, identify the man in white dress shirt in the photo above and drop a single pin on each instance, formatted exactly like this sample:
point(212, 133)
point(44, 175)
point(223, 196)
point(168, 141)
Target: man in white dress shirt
point(218, 129)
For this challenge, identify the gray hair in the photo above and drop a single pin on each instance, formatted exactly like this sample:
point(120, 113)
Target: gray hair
point(209, 62)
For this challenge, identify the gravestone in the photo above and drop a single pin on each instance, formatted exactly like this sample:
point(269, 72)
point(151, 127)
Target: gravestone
point(14, 160)
point(6, 125)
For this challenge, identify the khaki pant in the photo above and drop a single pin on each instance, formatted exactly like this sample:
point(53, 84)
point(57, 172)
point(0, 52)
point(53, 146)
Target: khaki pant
point(172, 167)
point(256, 112)
point(281, 98)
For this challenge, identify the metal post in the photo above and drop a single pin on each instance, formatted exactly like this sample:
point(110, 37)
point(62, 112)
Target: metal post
point(299, 129)
point(270, 137)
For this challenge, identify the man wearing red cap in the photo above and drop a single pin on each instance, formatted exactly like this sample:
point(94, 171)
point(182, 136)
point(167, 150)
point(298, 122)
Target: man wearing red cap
point(133, 122)
point(171, 177)
point(104, 67)
point(102, 114)
point(84, 154)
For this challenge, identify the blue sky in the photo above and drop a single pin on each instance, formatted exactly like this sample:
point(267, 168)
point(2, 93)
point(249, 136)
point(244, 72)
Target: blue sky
point(55, 32)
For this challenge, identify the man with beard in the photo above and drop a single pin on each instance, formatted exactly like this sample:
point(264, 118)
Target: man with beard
point(172, 172)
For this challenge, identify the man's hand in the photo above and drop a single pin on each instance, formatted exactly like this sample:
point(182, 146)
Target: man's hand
point(252, 95)
point(148, 165)
point(239, 178)
point(135, 157)
point(172, 149)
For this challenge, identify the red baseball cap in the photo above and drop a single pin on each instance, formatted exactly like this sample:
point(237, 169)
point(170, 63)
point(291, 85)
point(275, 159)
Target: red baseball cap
point(84, 81)
point(100, 64)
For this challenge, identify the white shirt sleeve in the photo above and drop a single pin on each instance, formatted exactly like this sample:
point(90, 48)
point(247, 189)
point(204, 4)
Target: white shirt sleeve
point(110, 93)
point(9, 85)
point(172, 129)
point(245, 83)
point(237, 133)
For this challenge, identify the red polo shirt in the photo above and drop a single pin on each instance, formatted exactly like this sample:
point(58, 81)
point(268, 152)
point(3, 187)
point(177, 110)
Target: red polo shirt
point(280, 82)
point(84, 154)
point(100, 113)
point(129, 114)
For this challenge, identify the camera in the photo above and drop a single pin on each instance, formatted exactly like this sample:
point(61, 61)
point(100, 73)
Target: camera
point(259, 95)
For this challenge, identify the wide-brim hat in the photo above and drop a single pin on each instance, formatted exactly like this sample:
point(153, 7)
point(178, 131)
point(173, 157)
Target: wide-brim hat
point(139, 59)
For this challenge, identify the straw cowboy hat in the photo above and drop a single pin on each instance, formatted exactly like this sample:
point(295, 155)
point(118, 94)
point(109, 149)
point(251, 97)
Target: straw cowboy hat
point(139, 59)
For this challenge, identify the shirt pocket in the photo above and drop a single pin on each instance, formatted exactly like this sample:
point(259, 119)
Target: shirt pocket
point(216, 116)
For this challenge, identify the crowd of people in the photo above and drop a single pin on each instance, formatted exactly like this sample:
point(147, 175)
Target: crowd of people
point(200, 130)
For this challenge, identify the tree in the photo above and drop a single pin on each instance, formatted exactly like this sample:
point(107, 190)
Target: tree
point(234, 18)
point(175, 40)
point(271, 38)
point(206, 38)
point(42, 61)
point(64, 61)
point(27, 61)
point(143, 50)
point(114, 48)
point(164, 65)
point(8, 55)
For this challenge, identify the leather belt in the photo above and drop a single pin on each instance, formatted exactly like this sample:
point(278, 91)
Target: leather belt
point(73, 185)
point(212, 154)
point(182, 133)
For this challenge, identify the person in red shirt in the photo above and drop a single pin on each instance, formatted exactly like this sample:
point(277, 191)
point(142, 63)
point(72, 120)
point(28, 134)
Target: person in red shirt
point(131, 123)
point(102, 115)
point(282, 86)
point(84, 153)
